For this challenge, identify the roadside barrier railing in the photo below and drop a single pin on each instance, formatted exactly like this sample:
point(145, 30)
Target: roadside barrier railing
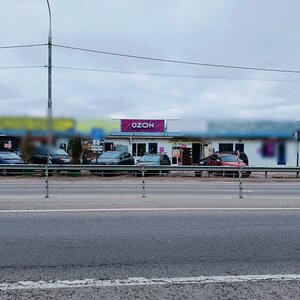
point(142, 171)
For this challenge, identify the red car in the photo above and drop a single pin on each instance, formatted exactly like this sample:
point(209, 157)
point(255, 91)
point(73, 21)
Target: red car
point(224, 160)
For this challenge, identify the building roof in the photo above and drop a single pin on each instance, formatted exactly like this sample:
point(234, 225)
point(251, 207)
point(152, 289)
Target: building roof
point(39, 133)
point(251, 134)
point(145, 134)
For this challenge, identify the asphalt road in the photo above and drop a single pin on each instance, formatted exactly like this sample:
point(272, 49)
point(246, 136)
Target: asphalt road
point(116, 245)
point(177, 243)
point(153, 187)
point(122, 235)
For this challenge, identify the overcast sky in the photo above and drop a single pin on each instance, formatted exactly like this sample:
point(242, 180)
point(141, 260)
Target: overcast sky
point(233, 32)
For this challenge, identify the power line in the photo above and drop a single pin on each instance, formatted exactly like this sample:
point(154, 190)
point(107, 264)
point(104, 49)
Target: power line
point(177, 75)
point(59, 90)
point(21, 67)
point(22, 46)
point(188, 76)
point(177, 61)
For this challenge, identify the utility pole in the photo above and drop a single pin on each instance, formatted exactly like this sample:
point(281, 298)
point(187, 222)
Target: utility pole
point(49, 111)
point(297, 135)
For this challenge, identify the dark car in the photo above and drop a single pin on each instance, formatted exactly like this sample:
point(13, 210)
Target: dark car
point(202, 162)
point(111, 158)
point(10, 158)
point(57, 156)
point(154, 160)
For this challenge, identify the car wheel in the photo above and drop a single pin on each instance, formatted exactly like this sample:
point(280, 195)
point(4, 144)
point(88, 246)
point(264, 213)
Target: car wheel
point(4, 172)
point(247, 174)
point(198, 174)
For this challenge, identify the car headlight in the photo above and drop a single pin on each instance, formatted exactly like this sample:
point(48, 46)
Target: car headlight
point(65, 159)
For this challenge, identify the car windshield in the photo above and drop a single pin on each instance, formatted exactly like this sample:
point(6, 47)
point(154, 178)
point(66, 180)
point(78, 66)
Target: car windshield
point(9, 156)
point(229, 158)
point(110, 155)
point(55, 151)
point(150, 158)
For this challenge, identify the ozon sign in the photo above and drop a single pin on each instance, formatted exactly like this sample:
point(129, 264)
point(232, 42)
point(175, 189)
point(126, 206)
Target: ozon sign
point(131, 125)
point(144, 125)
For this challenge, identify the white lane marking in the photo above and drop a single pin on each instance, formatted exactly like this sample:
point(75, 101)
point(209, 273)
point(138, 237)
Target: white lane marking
point(149, 209)
point(25, 285)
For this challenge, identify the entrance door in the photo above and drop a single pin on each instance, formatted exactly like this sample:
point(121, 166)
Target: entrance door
point(196, 153)
point(108, 146)
point(186, 156)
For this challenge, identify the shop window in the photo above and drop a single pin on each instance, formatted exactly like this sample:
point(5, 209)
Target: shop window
point(153, 148)
point(63, 146)
point(108, 146)
point(122, 148)
point(224, 147)
point(268, 149)
point(239, 147)
point(141, 149)
point(134, 149)
point(174, 160)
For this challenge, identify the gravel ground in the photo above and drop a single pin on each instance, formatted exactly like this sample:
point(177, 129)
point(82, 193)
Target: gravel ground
point(85, 175)
point(246, 290)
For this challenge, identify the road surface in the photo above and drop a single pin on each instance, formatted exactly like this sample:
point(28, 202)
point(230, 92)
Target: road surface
point(153, 187)
point(128, 246)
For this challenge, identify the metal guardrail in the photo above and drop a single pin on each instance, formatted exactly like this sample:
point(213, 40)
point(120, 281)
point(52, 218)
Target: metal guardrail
point(137, 167)
point(67, 167)
point(142, 170)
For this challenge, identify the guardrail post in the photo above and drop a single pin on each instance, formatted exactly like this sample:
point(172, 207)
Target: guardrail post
point(143, 176)
point(240, 185)
point(47, 181)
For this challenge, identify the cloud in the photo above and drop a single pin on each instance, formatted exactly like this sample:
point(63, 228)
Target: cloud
point(256, 33)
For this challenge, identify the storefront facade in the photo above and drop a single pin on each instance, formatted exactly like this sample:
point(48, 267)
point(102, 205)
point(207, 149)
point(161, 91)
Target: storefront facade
point(271, 152)
point(140, 136)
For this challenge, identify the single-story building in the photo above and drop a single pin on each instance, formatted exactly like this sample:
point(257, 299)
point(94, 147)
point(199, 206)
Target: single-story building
point(267, 143)
point(151, 136)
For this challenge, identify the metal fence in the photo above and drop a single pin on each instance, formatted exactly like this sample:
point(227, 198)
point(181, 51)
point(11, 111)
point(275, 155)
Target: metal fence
point(142, 183)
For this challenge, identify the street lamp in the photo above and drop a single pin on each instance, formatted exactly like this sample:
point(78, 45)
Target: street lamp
point(49, 111)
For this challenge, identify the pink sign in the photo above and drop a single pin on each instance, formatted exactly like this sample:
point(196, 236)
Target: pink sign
point(132, 125)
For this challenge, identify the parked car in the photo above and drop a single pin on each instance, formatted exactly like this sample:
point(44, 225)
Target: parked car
point(202, 162)
point(10, 158)
point(154, 160)
point(113, 158)
point(242, 156)
point(220, 159)
point(57, 156)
